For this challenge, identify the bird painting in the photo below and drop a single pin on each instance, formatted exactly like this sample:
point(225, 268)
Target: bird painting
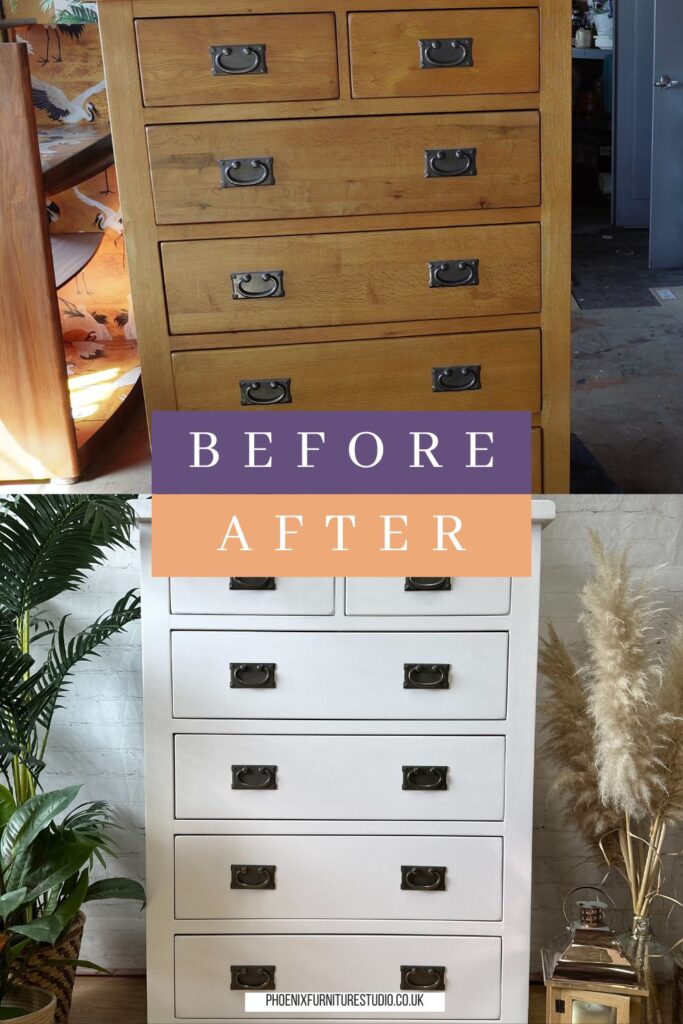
point(58, 107)
point(106, 218)
point(69, 18)
point(83, 329)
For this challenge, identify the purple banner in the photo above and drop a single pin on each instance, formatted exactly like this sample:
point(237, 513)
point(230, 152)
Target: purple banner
point(341, 453)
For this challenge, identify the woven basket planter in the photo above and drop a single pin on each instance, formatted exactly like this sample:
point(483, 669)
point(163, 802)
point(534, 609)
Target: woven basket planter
point(36, 1006)
point(42, 969)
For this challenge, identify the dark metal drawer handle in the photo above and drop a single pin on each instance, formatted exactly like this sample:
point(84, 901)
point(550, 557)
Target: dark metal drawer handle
point(450, 163)
point(252, 676)
point(272, 280)
point(251, 977)
point(277, 391)
point(417, 977)
point(254, 776)
point(453, 273)
point(423, 879)
point(252, 583)
point(426, 677)
point(428, 583)
point(246, 165)
point(446, 53)
point(456, 378)
point(425, 776)
point(252, 876)
point(239, 59)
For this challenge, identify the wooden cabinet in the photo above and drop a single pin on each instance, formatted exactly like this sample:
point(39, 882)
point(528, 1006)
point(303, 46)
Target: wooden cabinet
point(362, 182)
point(334, 796)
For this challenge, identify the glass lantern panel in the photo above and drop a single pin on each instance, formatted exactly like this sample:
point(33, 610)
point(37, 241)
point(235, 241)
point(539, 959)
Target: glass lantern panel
point(584, 1012)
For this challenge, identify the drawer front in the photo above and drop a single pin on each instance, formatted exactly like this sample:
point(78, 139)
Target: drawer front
point(489, 51)
point(333, 675)
point(343, 166)
point(252, 596)
point(336, 963)
point(367, 277)
point(407, 878)
point(340, 777)
point(237, 59)
point(500, 370)
point(427, 595)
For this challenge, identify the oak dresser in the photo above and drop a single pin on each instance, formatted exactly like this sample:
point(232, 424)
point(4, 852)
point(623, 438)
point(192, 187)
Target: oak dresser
point(339, 790)
point(337, 205)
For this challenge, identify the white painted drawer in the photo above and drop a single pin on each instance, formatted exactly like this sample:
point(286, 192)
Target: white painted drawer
point(387, 595)
point(334, 675)
point(343, 877)
point(336, 963)
point(287, 596)
point(340, 777)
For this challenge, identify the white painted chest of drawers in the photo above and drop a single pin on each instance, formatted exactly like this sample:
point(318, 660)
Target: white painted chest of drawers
point(339, 790)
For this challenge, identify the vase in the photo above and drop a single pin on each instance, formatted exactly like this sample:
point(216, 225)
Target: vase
point(43, 967)
point(33, 1005)
point(650, 957)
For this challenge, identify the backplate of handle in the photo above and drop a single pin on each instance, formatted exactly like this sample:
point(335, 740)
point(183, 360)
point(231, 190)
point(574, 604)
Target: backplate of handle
point(252, 977)
point(423, 978)
point(238, 59)
point(423, 878)
point(453, 273)
point(271, 391)
point(246, 171)
point(446, 53)
point(247, 675)
point(425, 776)
point(417, 676)
point(252, 876)
point(450, 163)
point(457, 378)
point(258, 284)
point(254, 776)
point(428, 583)
point(252, 583)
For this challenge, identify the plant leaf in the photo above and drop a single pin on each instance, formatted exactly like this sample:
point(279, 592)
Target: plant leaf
point(11, 901)
point(116, 889)
point(7, 805)
point(48, 929)
point(31, 818)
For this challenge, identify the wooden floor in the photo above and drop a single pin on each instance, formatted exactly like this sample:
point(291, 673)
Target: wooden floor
point(122, 1001)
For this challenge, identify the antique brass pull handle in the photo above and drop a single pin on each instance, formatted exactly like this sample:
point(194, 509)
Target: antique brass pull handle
point(428, 583)
point(277, 391)
point(252, 876)
point(246, 171)
point(251, 977)
point(239, 59)
point(424, 978)
point(254, 776)
point(423, 878)
point(446, 53)
point(252, 583)
point(252, 676)
point(450, 163)
point(257, 284)
point(426, 677)
point(425, 776)
point(456, 378)
point(453, 273)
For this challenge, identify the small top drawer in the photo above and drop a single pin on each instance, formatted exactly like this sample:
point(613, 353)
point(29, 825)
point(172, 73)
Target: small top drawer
point(237, 59)
point(252, 595)
point(427, 595)
point(444, 53)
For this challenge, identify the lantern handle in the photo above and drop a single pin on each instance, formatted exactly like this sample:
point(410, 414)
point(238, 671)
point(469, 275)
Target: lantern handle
point(587, 888)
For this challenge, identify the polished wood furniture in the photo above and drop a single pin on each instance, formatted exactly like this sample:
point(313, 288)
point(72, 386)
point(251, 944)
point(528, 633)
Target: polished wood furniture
point(342, 206)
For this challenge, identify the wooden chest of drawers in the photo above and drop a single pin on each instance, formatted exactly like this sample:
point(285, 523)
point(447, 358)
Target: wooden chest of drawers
point(339, 778)
point(348, 206)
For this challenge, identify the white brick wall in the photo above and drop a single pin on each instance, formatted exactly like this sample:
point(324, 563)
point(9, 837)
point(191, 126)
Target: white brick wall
point(97, 737)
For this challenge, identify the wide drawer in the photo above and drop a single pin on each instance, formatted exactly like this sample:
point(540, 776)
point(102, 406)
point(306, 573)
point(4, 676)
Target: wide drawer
point(500, 370)
point(351, 278)
point(393, 53)
point(340, 777)
point(237, 59)
point(336, 963)
point(427, 595)
point(440, 878)
point(342, 166)
point(259, 595)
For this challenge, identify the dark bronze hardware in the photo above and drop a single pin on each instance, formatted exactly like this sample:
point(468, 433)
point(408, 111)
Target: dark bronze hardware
point(258, 284)
point(422, 878)
point(450, 163)
point(252, 583)
point(244, 171)
point(453, 273)
point(254, 776)
point(428, 583)
point(252, 876)
point(239, 59)
point(432, 979)
point(446, 53)
point(560, 1006)
point(425, 776)
point(426, 677)
point(250, 977)
point(276, 391)
point(252, 676)
point(456, 378)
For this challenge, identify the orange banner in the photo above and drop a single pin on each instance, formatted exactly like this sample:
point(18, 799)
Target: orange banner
point(341, 535)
